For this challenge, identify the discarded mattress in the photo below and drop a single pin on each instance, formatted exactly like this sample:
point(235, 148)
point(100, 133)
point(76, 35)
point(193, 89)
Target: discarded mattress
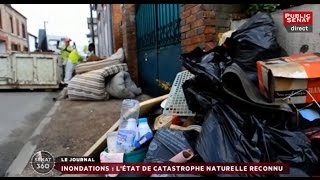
point(121, 86)
point(114, 59)
point(91, 85)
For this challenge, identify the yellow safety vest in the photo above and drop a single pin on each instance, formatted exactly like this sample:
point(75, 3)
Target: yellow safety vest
point(65, 52)
point(74, 56)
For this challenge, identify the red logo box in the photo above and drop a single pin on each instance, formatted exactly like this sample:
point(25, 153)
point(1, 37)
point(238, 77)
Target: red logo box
point(298, 17)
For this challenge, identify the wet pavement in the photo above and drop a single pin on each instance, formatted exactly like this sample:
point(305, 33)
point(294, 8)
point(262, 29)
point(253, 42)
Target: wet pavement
point(20, 114)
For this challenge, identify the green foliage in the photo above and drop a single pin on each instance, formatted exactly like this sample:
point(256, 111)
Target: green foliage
point(254, 8)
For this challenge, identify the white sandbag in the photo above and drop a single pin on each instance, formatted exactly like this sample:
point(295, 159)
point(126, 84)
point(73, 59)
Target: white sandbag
point(121, 86)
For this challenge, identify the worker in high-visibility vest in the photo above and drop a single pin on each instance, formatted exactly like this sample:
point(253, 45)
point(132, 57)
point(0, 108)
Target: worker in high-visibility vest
point(65, 50)
point(73, 59)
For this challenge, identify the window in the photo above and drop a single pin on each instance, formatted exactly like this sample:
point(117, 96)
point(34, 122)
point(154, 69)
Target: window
point(26, 49)
point(11, 23)
point(14, 47)
point(0, 19)
point(23, 31)
point(18, 29)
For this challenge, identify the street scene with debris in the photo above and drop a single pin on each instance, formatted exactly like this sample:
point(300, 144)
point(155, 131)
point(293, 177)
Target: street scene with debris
point(179, 90)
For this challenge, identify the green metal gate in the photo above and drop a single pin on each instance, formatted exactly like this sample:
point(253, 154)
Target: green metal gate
point(158, 44)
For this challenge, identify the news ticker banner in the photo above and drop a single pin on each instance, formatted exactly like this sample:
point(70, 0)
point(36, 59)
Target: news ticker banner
point(43, 162)
point(172, 168)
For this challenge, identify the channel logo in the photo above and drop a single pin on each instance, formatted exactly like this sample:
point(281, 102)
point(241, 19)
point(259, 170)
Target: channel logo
point(298, 21)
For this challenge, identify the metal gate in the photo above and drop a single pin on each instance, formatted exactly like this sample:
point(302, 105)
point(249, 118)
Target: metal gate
point(158, 44)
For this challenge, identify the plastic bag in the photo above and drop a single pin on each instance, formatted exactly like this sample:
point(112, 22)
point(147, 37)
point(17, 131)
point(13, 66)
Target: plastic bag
point(314, 135)
point(121, 86)
point(233, 85)
point(166, 144)
point(254, 40)
point(229, 135)
point(208, 65)
point(239, 125)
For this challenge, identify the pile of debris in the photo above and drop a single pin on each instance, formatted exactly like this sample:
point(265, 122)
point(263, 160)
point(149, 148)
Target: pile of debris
point(247, 106)
point(100, 80)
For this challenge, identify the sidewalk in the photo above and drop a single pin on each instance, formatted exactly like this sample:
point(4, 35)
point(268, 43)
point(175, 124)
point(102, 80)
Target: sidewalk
point(75, 127)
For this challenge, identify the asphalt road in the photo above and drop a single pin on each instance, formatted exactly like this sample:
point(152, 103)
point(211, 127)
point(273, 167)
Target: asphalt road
point(20, 114)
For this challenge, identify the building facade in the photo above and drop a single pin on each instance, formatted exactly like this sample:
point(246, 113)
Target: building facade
point(32, 40)
point(153, 36)
point(104, 29)
point(13, 30)
point(89, 36)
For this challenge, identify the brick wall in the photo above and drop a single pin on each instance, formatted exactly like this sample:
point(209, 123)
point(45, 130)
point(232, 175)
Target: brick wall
point(116, 29)
point(129, 39)
point(201, 23)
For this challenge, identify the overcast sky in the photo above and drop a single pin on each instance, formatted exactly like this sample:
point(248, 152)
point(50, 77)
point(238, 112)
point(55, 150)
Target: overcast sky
point(63, 19)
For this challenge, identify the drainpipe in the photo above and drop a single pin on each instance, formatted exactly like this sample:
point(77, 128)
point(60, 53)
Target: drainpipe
point(92, 29)
point(109, 29)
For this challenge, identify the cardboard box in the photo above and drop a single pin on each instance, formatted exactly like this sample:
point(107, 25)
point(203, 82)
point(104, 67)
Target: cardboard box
point(281, 77)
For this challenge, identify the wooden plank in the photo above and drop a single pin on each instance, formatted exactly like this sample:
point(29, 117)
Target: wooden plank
point(101, 143)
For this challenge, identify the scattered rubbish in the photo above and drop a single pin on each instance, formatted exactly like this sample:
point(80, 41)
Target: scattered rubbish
point(128, 130)
point(183, 156)
point(235, 103)
point(162, 121)
point(114, 59)
point(91, 85)
point(145, 133)
point(163, 103)
point(98, 80)
point(309, 114)
point(290, 76)
point(106, 157)
point(129, 109)
point(176, 103)
point(112, 142)
point(188, 128)
point(166, 144)
point(254, 40)
point(121, 86)
point(223, 96)
point(127, 136)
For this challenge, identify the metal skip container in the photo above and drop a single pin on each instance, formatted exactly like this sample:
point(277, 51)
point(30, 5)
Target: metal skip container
point(30, 71)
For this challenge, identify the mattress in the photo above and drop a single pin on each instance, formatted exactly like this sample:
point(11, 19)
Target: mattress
point(91, 85)
point(116, 58)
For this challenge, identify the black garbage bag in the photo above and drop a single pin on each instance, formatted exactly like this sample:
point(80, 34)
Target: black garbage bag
point(229, 136)
point(221, 140)
point(292, 147)
point(208, 68)
point(236, 119)
point(314, 136)
point(209, 64)
point(234, 86)
point(254, 40)
point(239, 89)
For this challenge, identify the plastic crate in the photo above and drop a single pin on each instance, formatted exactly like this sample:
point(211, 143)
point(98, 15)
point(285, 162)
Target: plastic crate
point(176, 104)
